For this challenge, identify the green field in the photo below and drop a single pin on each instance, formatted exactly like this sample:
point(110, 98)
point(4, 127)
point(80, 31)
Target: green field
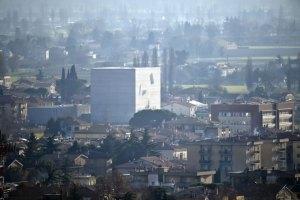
point(231, 89)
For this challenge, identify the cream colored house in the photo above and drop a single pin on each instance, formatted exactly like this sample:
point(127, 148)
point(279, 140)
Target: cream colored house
point(181, 108)
point(81, 160)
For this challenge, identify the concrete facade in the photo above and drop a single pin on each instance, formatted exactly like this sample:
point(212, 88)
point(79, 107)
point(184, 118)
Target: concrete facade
point(117, 93)
point(42, 114)
point(226, 156)
point(245, 118)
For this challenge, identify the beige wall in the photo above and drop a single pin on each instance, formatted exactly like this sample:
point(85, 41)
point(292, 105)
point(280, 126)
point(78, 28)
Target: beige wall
point(221, 155)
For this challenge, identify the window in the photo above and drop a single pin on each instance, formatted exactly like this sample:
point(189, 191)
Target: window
point(151, 79)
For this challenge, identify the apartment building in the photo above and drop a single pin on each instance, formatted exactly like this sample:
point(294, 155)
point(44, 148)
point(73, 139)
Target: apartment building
point(223, 156)
point(278, 154)
point(244, 118)
point(259, 155)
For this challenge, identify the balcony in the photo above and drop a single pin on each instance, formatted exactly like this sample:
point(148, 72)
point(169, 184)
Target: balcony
point(268, 116)
point(285, 123)
point(204, 161)
point(223, 161)
point(205, 151)
point(286, 115)
point(225, 151)
point(279, 158)
point(252, 160)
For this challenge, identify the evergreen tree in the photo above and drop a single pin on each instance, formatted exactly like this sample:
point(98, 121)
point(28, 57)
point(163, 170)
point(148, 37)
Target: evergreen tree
point(73, 74)
point(288, 73)
point(3, 70)
point(138, 61)
point(50, 146)
point(135, 64)
point(40, 75)
point(145, 59)
point(63, 74)
point(249, 74)
point(171, 68)
point(154, 58)
point(165, 68)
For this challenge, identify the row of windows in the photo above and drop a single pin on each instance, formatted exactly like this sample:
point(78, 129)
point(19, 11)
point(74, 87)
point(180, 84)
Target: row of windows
point(234, 114)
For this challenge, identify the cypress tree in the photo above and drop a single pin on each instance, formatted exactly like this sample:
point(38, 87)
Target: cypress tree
point(249, 74)
point(145, 59)
point(154, 58)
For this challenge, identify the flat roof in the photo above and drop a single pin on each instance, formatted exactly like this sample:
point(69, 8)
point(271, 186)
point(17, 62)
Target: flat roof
point(102, 68)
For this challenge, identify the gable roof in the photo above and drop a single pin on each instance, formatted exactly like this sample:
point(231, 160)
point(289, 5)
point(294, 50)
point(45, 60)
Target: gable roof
point(15, 162)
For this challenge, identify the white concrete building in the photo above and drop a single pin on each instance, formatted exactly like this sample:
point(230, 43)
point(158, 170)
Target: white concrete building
point(119, 92)
point(181, 108)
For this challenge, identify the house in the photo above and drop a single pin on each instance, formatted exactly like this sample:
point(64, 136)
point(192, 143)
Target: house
point(181, 108)
point(15, 165)
point(13, 106)
point(206, 177)
point(98, 164)
point(144, 164)
point(95, 132)
point(84, 180)
point(180, 153)
point(81, 160)
point(289, 193)
point(186, 124)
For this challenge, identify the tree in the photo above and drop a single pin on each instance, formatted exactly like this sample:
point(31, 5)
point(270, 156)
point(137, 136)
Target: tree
point(145, 59)
point(31, 153)
point(288, 74)
point(50, 146)
point(13, 175)
point(54, 174)
point(165, 68)
point(181, 57)
point(75, 148)
point(40, 75)
point(3, 69)
point(249, 74)
point(171, 68)
point(111, 187)
point(63, 74)
point(150, 118)
point(157, 193)
point(52, 127)
point(212, 30)
point(154, 62)
point(135, 61)
point(216, 79)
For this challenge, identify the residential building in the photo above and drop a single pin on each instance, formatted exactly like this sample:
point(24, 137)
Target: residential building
point(95, 132)
point(40, 115)
point(119, 92)
point(289, 192)
point(181, 108)
point(244, 118)
point(259, 155)
point(13, 107)
point(223, 155)
point(277, 154)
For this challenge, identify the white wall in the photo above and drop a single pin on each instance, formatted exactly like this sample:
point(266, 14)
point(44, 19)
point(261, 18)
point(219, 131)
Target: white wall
point(117, 93)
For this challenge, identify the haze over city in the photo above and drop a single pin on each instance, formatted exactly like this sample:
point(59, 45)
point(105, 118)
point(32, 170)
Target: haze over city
point(150, 100)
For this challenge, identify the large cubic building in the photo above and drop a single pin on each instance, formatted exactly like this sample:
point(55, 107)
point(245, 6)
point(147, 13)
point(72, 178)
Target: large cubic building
point(119, 92)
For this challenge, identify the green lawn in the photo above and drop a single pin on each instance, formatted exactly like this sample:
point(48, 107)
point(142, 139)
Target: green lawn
point(236, 89)
point(231, 89)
